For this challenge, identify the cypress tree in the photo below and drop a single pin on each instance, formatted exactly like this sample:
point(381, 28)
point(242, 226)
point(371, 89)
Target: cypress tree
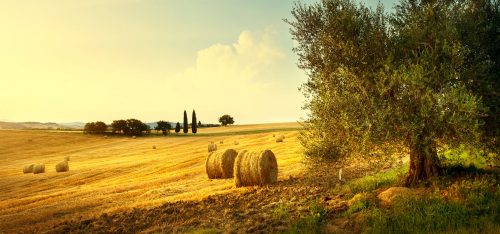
point(185, 124)
point(194, 128)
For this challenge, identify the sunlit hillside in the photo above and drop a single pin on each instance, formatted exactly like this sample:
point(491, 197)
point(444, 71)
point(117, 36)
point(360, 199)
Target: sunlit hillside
point(119, 173)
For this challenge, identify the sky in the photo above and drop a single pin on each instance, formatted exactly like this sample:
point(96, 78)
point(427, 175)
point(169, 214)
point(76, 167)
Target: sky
point(102, 60)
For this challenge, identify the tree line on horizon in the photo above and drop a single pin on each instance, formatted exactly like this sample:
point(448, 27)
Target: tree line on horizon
point(135, 127)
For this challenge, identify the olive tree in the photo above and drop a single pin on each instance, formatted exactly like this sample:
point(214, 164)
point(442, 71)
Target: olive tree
point(375, 80)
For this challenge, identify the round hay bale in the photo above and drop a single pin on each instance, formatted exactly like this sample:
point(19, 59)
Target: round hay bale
point(39, 168)
point(66, 158)
point(221, 165)
point(106, 136)
point(154, 146)
point(279, 139)
point(255, 168)
point(236, 142)
point(212, 147)
point(62, 166)
point(133, 137)
point(274, 135)
point(221, 142)
point(28, 168)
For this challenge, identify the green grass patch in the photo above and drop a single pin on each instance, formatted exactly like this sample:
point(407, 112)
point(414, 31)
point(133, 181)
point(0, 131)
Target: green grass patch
point(312, 223)
point(282, 211)
point(376, 181)
point(473, 206)
point(358, 206)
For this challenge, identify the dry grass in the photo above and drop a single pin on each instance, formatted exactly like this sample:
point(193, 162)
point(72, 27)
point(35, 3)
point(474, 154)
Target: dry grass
point(117, 173)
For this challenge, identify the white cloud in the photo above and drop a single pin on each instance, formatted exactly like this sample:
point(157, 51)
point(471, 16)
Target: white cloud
point(244, 77)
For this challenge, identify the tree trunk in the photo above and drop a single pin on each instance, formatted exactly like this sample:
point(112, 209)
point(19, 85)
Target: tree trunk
point(424, 163)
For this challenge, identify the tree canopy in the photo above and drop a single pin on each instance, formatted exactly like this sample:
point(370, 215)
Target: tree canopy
point(225, 120)
point(95, 127)
point(163, 126)
point(131, 127)
point(407, 77)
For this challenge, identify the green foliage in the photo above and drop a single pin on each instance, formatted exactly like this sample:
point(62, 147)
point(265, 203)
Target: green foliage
point(185, 124)
point(205, 231)
point(474, 207)
point(225, 120)
point(359, 205)
point(135, 127)
point(465, 156)
point(376, 78)
point(95, 127)
point(282, 211)
point(177, 128)
point(163, 126)
point(194, 128)
point(376, 181)
point(119, 126)
point(313, 223)
point(130, 127)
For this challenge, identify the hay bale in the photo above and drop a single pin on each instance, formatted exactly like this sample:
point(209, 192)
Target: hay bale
point(66, 158)
point(279, 139)
point(133, 137)
point(212, 147)
point(39, 168)
point(28, 168)
point(154, 146)
point(255, 168)
point(62, 166)
point(221, 165)
point(236, 142)
point(274, 135)
point(221, 142)
point(106, 136)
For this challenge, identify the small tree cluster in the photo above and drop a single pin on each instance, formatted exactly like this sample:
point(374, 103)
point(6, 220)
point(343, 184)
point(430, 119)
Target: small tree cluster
point(131, 127)
point(95, 127)
point(163, 126)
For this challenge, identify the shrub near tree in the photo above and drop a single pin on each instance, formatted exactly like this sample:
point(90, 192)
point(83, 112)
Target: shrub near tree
point(177, 128)
point(225, 120)
point(377, 79)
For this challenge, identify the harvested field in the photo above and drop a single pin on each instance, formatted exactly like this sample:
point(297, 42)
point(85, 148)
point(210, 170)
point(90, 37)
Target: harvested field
point(117, 174)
